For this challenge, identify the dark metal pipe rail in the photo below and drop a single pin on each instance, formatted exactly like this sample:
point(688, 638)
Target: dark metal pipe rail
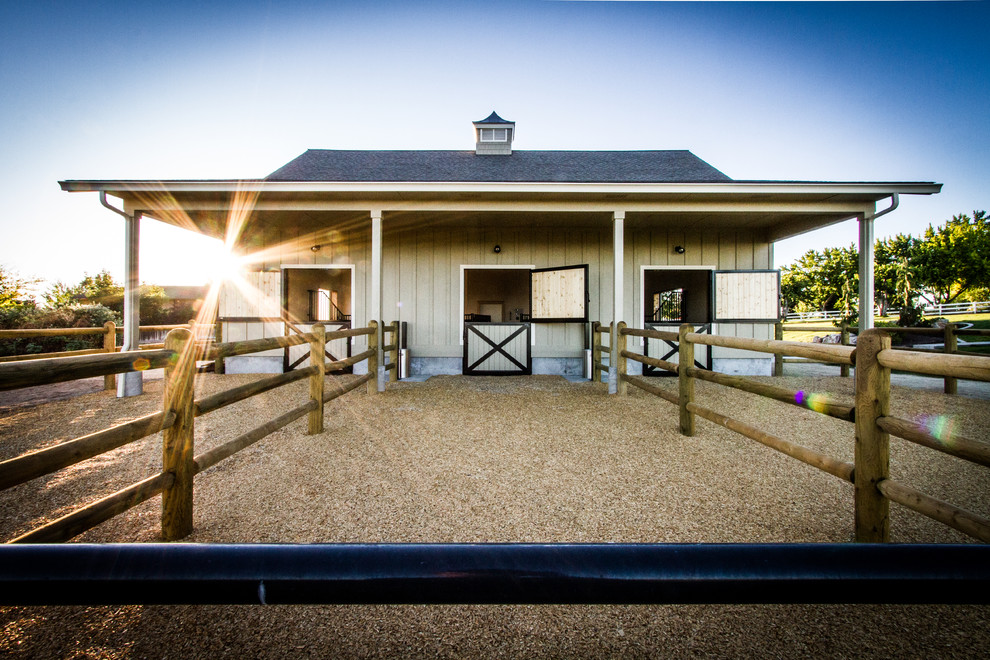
point(493, 573)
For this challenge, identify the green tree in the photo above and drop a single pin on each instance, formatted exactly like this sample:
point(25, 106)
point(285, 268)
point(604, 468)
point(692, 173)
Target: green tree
point(893, 272)
point(953, 260)
point(826, 280)
point(14, 290)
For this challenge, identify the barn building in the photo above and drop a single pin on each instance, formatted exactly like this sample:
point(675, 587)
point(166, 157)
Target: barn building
point(495, 259)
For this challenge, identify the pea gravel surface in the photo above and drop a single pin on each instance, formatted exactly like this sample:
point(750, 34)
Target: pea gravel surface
point(527, 459)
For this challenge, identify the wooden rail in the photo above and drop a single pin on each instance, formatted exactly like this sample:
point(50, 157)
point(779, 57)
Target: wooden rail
point(869, 473)
point(175, 421)
point(109, 332)
point(950, 345)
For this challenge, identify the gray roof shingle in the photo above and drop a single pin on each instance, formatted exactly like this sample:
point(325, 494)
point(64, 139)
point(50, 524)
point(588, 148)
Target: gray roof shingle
point(522, 166)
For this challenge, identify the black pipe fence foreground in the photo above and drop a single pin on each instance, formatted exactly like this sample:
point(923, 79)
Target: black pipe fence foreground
point(82, 574)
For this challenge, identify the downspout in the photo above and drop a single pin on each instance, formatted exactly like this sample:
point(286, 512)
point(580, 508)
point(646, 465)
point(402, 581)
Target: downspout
point(866, 276)
point(130, 383)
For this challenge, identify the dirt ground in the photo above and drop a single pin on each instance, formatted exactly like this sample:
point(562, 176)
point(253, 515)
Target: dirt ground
point(497, 460)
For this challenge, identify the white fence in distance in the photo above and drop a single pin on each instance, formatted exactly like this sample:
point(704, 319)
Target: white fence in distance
point(930, 310)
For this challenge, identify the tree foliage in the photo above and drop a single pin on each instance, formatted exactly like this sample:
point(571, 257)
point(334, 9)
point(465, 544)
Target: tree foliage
point(948, 263)
point(954, 259)
point(102, 289)
point(826, 280)
point(14, 289)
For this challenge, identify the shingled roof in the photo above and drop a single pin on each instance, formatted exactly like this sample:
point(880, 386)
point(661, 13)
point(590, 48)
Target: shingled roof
point(521, 166)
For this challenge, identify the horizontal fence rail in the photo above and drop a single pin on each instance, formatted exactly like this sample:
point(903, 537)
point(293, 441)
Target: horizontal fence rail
point(949, 334)
point(174, 421)
point(81, 574)
point(15, 375)
point(870, 413)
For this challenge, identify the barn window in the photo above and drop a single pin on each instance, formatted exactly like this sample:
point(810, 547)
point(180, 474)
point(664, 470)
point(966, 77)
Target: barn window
point(494, 134)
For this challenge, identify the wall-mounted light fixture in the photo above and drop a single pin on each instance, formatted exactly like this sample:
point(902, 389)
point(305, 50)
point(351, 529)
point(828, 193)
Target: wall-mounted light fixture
point(316, 248)
point(497, 249)
point(679, 249)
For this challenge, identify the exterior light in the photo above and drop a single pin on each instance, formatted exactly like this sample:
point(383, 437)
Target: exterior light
point(497, 249)
point(679, 249)
point(316, 248)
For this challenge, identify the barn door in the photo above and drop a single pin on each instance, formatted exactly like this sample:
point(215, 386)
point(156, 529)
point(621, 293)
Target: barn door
point(497, 349)
point(559, 295)
point(746, 296)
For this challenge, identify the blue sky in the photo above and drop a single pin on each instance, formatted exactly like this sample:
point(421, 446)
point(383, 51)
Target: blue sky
point(812, 91)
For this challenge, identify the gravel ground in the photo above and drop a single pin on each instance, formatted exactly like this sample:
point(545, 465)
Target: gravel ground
point(534, 459)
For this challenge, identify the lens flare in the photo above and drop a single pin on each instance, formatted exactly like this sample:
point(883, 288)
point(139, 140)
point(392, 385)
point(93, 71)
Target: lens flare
point(141, 364)
point(940, 426)
point(811, 400)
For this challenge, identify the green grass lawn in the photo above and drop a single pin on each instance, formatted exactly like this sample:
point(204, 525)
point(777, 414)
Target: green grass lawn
point(793, 330)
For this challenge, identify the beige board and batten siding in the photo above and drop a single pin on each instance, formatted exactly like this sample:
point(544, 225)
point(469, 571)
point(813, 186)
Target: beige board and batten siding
point(260, 292)
point(256, 294)
point(423, 273)
point(422, 269)
point(740, 249)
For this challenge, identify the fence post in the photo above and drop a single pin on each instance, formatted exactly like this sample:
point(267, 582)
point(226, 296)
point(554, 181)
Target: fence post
point(317, 346)
point(778, 358)
point(218, 362)
point(872, 449)
point(685, 393)
point(620, 340)
point(177, 440)
point(844, 340)
point(110, 346)
point(373, 358)
point(596, 352)
point(951, 384)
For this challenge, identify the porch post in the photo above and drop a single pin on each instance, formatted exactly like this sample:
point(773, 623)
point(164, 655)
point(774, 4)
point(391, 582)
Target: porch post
point(865, 272)
point(375, 313)
point(131, 383)
point(618, 262)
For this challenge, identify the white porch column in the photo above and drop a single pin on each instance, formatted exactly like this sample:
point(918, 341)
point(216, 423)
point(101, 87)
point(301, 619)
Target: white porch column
point(865, 272)
point(131, 382)
point(375, 311)
point(618, 263)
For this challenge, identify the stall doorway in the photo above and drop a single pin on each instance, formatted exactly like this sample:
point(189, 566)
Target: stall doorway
point(316, 294)
point(670, 297)
point(496, 311)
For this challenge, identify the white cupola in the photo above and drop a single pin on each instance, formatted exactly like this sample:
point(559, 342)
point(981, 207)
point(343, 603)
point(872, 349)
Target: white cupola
point(493, 136)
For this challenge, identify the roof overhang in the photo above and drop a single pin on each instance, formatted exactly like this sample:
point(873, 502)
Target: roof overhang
point(779, 208)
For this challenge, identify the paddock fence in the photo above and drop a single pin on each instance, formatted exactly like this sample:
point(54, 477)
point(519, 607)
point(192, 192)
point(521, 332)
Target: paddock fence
point(930, 309)
point(870, 413)
point(204, 333)
point(949, 334)
point(176, 418)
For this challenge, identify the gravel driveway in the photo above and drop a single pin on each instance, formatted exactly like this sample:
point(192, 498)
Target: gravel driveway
point(532, 459)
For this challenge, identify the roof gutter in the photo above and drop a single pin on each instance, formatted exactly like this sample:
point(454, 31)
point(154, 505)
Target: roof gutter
point(103, 200)
point(895, 200)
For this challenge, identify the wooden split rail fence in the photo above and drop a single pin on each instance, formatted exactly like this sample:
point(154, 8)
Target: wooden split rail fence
point(869, 472)
point(950, 337)
point(176, 418)
point(203, 332)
